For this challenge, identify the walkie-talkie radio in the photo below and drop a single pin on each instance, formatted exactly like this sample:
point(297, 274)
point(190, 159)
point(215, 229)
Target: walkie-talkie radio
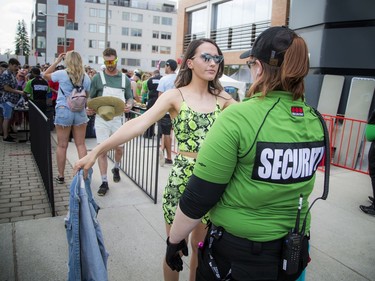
point(292, 245)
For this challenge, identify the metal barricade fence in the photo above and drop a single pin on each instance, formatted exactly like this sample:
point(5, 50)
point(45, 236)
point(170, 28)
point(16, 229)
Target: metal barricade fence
point(140, 161)
point(40, 129)
point(349, 147)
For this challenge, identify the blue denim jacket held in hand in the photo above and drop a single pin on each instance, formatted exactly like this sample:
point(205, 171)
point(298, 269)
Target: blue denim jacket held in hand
point(87, 254)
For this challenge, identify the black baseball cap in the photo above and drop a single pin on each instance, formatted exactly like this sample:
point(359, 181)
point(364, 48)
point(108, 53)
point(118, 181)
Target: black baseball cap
point(270, 46)
point(172, 64)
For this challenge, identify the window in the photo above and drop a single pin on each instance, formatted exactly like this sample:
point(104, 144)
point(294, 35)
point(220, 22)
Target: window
point(92, 59)
point(133, 62)
point(125, 16)
point(99, 13)
point(101, 44)
point(241, 12)
point(71, 25)
point(60, 41)
point(40, 28)
point(166, 21)
point(155, 49)
point(92, 28)
point(166, 35)
point(135, 47)
point(154, 63)
point(95, 59)
point(101, 28)
point(124, 46)
point(41, 42)
point(156, 20)
point(42, 8)
point(155, 34)
point(92, 12)
point(125, 31)
point(136, 32)
point(92, 43)
point(102, 13)
point(165, 50)
point(197, 21)
point(137, 17)
point(139, 4)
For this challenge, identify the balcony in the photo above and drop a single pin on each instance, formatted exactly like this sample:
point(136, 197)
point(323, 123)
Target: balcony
point(232, 38)
point(144, 5)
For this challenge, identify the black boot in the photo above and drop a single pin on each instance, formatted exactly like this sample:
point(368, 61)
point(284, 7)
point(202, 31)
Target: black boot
point(370, 210)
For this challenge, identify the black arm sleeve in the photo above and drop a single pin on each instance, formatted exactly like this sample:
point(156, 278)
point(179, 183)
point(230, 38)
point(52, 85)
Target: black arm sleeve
point(199, 197)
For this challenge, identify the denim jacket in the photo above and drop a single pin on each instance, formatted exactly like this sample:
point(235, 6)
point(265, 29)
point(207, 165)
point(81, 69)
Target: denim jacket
point(87, 254)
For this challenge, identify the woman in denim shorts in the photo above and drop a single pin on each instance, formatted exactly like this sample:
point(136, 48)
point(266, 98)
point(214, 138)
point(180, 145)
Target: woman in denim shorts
point(65, 119)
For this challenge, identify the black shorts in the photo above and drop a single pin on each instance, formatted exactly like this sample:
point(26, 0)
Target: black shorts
point(246, 259)
point(165, 125)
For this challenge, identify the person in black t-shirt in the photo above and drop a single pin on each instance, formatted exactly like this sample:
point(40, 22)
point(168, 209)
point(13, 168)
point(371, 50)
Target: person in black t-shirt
point(37, 90)
point(153, 94)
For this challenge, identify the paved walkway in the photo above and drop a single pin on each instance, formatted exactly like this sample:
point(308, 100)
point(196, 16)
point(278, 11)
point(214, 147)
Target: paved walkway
point(22, 193)
point(34, 246)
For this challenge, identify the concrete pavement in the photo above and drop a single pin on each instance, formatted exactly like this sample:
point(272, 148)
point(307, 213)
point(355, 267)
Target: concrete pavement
point(342, 246)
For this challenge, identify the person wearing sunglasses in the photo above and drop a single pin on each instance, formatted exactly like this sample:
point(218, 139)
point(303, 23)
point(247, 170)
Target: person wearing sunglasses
point(255, 172)
point(110, 82)
point(194, 104)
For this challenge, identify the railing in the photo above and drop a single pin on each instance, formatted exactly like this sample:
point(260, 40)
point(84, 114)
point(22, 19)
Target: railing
point(349, 148)
point(41, 149)
point(232, 38)
point(140, 161)
point(144, 5)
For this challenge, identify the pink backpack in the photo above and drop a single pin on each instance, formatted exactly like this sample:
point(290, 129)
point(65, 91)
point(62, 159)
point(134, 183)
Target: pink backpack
point(77, 99)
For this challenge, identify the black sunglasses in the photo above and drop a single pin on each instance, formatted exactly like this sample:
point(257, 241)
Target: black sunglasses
point(208, 57)
point(250, 63)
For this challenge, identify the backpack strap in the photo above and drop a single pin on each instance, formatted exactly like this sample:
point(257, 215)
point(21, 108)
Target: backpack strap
point(74, 86)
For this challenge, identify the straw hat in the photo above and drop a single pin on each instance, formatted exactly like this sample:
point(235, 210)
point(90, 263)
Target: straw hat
point(107, 107)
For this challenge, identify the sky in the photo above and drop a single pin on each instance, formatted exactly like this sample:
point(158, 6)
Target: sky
point(11, 12)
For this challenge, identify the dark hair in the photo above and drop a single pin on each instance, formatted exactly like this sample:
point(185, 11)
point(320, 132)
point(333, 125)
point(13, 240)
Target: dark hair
point(185, 75)
point(3, 64)
point(35, 71)
point(109, 52)
point(14, 61)
point(289, 76)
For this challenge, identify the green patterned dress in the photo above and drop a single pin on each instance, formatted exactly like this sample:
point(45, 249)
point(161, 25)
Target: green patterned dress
point(190, 129)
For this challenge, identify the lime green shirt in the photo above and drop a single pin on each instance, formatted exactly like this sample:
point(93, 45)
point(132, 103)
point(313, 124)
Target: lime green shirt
point(370, 128)
point(267, 151)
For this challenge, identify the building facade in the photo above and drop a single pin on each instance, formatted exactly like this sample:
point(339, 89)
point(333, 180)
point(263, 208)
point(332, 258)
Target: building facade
point(142, 32)
point(233, 24)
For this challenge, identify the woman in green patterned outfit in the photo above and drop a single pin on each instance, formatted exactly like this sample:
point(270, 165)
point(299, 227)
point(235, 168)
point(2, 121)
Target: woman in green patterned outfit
point(193, 107)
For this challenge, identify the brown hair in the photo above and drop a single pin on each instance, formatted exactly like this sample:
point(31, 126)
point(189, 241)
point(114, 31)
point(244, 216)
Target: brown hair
point(185, 75)
point(109, 52)
point(289, 76)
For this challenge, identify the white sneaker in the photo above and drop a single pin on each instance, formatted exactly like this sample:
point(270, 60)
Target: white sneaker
point(161, 158)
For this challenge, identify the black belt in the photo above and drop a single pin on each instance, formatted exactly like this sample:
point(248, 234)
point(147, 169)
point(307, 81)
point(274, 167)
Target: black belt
point(256, 247)
point(218, 232)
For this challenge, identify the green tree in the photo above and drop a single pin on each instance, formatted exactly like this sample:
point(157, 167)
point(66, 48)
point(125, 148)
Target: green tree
point(22, 40)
